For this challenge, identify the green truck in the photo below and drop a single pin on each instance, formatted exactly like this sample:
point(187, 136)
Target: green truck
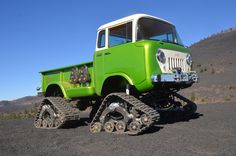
point(138, 67)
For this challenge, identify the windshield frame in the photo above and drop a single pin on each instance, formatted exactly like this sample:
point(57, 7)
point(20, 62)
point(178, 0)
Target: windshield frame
point(175, 33)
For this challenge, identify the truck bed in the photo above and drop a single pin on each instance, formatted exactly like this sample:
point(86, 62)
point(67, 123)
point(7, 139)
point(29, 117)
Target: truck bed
point(61, 78)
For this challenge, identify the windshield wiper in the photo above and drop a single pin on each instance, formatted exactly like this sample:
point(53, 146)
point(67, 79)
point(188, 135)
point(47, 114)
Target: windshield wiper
point(163, 41)
point(171, 42)
point(153, 39)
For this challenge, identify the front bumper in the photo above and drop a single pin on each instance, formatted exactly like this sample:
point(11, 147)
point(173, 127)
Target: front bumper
point(177, 76)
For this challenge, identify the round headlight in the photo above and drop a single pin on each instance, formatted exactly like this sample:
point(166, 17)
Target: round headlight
point(189, 59)
point(161, 56)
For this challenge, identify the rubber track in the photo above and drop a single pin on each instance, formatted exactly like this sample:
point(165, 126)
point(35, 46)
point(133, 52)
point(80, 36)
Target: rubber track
point(67, 113)
point(137, 104)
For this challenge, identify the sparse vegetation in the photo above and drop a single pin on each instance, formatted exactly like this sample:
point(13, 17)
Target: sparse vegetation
point(227, 98)
point(27, 113)
point(232, 87)
point(212, 71)
point(199, 65)
point(193, 96)
point(203, 69)
point(202, 100)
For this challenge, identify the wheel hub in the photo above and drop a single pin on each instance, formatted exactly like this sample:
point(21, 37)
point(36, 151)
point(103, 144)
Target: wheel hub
point(109, 126)
point(96, 127)
point(120, 126)
point(134, 126)
point(145, 119)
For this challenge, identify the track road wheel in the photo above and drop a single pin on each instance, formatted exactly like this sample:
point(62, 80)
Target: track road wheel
point(120, 127)
point(96, 127)
point(50, 123)
point(45, 123)
point(134, 127)
point(109, 126)
point(145, 119)
point(57, 122)
point(38, 123)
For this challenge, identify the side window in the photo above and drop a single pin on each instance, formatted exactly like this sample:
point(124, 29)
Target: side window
point(120, 34)
point(101, 39)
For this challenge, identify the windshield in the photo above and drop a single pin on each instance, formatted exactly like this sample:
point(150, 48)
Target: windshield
point(153, 29)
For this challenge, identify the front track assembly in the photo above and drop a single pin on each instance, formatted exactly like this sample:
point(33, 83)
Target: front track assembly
point(188, 107)
point(123, 114)
point(55, 112)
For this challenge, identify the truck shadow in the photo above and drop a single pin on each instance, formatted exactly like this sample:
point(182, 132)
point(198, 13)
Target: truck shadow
point(170, 118)
point(77, 123)
point(167, 118)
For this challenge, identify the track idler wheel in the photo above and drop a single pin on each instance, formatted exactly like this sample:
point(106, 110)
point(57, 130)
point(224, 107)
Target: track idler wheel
point(120, 127)
point(190, 108)
point(109, 126)
point(96, 127)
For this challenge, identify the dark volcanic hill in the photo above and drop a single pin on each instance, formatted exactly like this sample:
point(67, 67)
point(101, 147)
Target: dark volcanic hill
point(215, 61)
point(215, 58)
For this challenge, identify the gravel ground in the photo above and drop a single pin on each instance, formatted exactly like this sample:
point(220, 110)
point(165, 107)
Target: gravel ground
point(211, 132)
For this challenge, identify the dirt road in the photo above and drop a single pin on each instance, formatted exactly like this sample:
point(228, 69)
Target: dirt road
point(210, 132)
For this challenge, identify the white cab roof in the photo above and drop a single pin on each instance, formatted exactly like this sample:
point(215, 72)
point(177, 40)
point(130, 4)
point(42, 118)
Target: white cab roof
point(128, 18)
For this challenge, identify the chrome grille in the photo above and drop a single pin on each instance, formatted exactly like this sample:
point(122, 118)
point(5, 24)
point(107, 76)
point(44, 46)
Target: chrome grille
point(175, 63)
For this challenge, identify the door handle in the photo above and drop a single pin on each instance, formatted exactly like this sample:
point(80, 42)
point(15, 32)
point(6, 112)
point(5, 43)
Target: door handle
point(98, 55)
point(107, 53)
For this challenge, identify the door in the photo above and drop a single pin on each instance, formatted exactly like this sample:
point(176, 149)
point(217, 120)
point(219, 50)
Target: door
point(123, 56)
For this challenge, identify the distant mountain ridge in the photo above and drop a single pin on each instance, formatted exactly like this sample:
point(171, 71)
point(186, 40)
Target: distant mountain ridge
point(19, 104)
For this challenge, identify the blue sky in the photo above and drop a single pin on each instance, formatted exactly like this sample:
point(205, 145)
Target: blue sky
point(43, 34)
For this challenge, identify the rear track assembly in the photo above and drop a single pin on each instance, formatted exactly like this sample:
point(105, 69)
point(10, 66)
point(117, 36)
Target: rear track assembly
point(54, 112)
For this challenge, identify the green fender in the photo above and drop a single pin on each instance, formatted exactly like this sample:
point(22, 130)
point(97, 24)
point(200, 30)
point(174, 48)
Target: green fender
point(62, 86)
point(125, 76)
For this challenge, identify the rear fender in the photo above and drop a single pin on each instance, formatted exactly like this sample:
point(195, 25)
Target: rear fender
point(62, 86)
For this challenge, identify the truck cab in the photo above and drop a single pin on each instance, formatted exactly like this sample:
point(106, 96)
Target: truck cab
point(144, 50)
